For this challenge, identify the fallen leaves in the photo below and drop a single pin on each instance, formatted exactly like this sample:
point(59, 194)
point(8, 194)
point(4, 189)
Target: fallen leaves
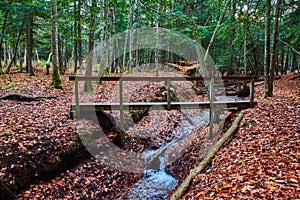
point(262, 160)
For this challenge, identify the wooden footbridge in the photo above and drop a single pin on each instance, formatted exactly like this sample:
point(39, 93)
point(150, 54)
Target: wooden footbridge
point(78, 107)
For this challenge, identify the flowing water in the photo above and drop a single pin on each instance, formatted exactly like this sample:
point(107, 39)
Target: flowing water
point(156, 182)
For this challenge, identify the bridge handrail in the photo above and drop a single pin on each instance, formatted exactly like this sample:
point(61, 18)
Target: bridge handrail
point(153, 78)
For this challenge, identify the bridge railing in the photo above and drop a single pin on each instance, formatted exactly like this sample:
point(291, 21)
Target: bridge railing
point(166, 105)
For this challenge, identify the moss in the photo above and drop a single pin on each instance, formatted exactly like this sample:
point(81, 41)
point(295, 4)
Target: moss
point(136, 116)
point(162, 89)
point(56, 82)
point(9, 84)
point(22, 89)
point(250, 121)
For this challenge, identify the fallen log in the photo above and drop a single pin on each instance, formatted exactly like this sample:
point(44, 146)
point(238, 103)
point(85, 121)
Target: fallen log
point(17, 97)
point(180, 191)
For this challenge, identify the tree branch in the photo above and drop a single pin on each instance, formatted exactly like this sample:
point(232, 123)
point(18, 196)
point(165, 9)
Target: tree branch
point(289, 46)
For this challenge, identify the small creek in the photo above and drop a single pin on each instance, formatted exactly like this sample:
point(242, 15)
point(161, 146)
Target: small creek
point(157, 183)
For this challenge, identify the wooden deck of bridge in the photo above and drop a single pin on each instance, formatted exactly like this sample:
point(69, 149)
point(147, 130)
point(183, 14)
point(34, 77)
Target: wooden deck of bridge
point(95, 107)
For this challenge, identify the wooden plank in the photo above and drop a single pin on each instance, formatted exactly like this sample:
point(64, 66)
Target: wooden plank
point(150, 78)
point(89, 107)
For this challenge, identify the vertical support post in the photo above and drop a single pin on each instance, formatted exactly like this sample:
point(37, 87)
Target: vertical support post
point(122, 138)
point(211, 107)
point(168, 94)
point(251, 92)
point(77, 109)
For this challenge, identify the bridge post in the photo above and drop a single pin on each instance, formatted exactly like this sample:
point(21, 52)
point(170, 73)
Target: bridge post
point(251, 92)
point(168, 94)
point(77, 109)
point(211, 107)
point(122, 139)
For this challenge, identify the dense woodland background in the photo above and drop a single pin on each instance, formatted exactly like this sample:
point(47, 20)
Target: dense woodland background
point(249, 37)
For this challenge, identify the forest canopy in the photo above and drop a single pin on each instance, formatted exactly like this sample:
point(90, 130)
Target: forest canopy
point(241, 36)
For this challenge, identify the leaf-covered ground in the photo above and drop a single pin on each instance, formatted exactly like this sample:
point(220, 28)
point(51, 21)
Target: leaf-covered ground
point(33, 135)
point(37, 137)
point(262, 159)
point(39, 140)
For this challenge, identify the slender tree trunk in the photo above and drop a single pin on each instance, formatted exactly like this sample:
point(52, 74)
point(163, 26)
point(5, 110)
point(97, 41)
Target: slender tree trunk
point(294, 62)
point(79, 41)
point(268, 92)
point(88, 84)
point(287, 61)
point(137, 56)
point(102, 39)
point(66, 54)
point(114, 64)
point(215, 31)
point(131, 35)
point(21, 57)
point(187, 8)
point(29, 43)
point(277, 64)
point(233, 63)
point(4, 54)
point(255, 61)
point(60, 58)
point(282, 61)
point(56, 82)
point(15, 51)
point(157, 39)
point(274, 46)
point(1, 40)
point(75, 50)
point(245, 61)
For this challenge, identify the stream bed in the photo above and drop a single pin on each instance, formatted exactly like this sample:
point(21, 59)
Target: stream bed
point(156, 183)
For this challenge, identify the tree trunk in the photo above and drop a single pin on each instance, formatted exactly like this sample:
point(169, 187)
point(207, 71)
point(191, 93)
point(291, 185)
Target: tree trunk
point(37, 55)
point(187, 8)
point(137, 56)
point(102, 38)
point(282, 61)
point(29, 43)
point(245, 61)
point(215, 32)
point(1, 41)
point(294, 62)
point(66, 54)
point(131, 21)
point(232, 63)
point(287, 61)
point(5, 54)
point(75, 50)
point(79, 41)
point(268, 92)
point(274, 46)
point(88, 84)
point(15, 51)
point(60, 59)
point(157, 39)
point(277, 64)
point(56, 82)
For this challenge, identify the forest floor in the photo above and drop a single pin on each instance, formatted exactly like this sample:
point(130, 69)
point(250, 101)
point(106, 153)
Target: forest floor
point(261, 160)
point(40, 152)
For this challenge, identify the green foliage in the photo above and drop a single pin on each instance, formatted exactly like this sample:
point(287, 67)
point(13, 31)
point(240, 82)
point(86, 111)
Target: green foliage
point(196, 19)
point(136, 116)
point(9, 84)
point(246, 123)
